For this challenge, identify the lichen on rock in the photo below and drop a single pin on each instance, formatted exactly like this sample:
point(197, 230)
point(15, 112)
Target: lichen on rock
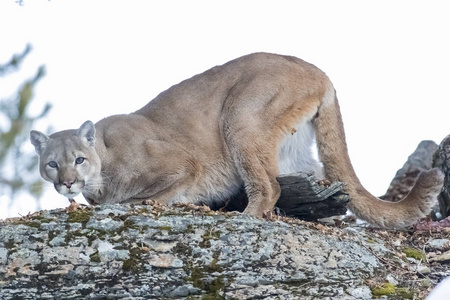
point(151, 252)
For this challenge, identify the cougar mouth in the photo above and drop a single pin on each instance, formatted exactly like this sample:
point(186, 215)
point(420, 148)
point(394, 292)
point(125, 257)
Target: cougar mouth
point(72, 191)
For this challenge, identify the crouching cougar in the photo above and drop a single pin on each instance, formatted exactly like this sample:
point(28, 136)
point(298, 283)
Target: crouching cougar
point(236, 125)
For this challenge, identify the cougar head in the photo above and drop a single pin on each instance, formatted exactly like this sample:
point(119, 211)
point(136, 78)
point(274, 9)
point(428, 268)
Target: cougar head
point(68, 158)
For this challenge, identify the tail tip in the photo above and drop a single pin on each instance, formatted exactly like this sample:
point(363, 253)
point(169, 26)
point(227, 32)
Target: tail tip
point(432, 179)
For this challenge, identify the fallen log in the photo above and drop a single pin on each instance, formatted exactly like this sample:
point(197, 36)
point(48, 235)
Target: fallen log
point(302, 196)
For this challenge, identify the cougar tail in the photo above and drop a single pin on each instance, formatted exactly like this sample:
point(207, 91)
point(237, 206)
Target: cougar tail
point(333, 153)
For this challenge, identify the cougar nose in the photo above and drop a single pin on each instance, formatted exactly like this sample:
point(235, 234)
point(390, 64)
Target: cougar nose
point(68, 183)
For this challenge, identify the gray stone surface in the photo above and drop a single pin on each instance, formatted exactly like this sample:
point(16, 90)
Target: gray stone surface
point(441, 160)
point(145, 252)
point(405, 178)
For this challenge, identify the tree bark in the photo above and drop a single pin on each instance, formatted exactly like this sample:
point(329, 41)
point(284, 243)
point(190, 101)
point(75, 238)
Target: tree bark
point(303, 197)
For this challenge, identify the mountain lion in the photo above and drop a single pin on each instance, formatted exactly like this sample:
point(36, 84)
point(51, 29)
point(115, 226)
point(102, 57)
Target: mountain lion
point(236, 125)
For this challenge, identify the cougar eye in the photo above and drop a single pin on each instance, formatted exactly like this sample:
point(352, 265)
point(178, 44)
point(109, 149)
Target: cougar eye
point(53, 164)
point(79, 160)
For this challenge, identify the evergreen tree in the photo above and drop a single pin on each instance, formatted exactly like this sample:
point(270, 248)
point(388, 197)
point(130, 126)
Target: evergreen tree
point(18, 168)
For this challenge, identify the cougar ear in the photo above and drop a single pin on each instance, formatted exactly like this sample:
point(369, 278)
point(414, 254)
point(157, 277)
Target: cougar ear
point(39, 140)
point(87, 132)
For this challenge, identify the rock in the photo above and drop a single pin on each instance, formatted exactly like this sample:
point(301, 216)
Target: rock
point(405, 178)
point(107, 252)
point(422, 269)
point(3, 255)
point(105, 224)
point(165, 261)
point(443, 258)
point(155, 252)
point(126, 251)
point(361, 292)
point(439, 244)
point(441, 160)
point(391, 279)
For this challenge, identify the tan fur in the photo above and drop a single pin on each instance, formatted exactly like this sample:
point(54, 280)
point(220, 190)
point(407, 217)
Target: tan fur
point(203, 139)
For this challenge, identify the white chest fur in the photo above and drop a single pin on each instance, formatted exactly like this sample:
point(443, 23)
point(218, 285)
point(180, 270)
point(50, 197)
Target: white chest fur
point(297, 152)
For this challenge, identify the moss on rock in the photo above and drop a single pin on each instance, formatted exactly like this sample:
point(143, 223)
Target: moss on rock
point(414, 253)
point(80, 216)
point(95, 257)
point(384, 290)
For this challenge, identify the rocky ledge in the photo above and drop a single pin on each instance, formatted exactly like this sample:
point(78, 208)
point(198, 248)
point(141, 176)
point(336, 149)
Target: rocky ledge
point(186, 252)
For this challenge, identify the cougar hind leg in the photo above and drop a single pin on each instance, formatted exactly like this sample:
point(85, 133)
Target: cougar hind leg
point(258, 171)
point(257, 119)
point(261, 158)
point(255, 157)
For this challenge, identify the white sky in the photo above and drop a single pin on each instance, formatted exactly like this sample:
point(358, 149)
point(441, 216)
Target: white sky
point(389, 62)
